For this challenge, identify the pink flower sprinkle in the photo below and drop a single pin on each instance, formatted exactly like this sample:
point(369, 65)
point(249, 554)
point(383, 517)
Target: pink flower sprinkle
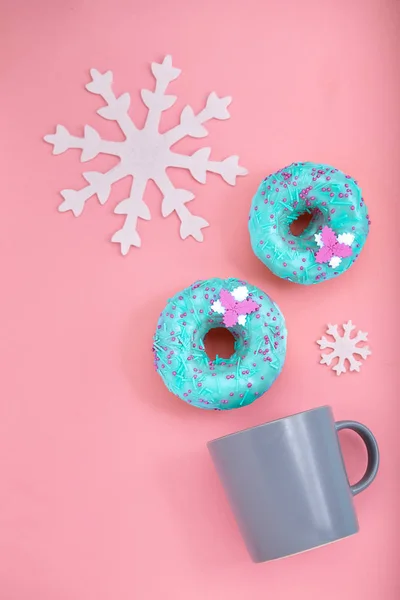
point(234, 309)
point(331, 247)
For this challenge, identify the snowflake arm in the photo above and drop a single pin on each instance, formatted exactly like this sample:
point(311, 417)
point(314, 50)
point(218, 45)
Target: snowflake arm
point(91, 143)
point(198, 164)
point(333, 331)
point(326, 359)
point(116, 109)
point(192, 125)
point(347, 328)
point(99, 184)
point(134, 208)
point(158, 101)
point(344, 348)
point(175, 200)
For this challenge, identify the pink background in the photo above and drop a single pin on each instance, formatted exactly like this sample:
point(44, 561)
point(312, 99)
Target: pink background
point(106, 488)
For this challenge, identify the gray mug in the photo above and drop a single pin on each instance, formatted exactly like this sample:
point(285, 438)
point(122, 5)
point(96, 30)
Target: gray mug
point(287, 484)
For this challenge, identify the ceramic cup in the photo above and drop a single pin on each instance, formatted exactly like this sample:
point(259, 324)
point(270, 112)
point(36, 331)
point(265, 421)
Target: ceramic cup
point(287, 485)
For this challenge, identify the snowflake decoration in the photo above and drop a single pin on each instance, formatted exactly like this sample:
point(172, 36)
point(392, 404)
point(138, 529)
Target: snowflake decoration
point(145, 154)
point(343, 348)
point(234, 306)
point(331, 248)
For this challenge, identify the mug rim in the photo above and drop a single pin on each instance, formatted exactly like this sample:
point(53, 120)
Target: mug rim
point(301, 412)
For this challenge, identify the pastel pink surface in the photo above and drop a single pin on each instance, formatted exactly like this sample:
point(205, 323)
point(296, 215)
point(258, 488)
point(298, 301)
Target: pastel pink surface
point(107, 490)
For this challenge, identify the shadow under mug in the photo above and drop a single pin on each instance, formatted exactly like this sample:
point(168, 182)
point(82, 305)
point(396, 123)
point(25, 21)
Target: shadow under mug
point(287, 484)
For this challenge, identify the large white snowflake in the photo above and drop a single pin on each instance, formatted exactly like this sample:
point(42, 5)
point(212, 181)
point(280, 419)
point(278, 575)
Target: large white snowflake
point(343, 348)
point(145, 154)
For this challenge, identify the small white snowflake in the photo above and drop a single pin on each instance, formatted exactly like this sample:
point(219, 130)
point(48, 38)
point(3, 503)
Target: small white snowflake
point(346, 238)
point(343, 348)
point(240, 293)
point(146, 154)
point(217, 307)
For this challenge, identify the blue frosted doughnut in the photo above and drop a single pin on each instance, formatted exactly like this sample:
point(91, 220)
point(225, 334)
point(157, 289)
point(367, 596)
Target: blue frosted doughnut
point(335, 235)
point(260, 335)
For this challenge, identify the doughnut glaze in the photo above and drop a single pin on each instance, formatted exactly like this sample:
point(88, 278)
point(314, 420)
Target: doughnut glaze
point(339, 219)
point(260, 335)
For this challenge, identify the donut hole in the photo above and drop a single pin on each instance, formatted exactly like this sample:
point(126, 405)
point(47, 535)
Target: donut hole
point(219, 342)
point(301, 223)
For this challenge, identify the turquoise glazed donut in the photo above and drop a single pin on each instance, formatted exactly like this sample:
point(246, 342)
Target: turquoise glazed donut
point(260, 336)
point(335, 235)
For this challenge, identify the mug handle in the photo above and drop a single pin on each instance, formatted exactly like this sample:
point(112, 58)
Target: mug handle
point(372, 450)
